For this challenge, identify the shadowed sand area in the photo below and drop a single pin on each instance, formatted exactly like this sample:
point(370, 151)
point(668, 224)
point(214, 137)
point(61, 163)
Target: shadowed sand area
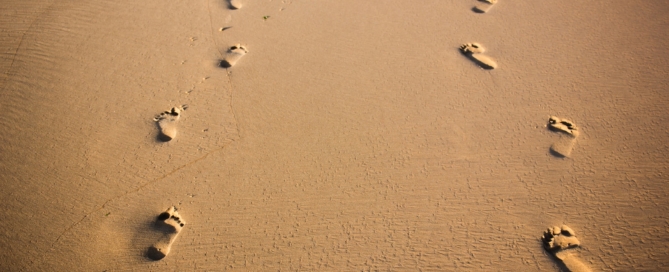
point(353, 136)
point(484, 6)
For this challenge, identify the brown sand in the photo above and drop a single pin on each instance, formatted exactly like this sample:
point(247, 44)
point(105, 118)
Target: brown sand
point(353, 135)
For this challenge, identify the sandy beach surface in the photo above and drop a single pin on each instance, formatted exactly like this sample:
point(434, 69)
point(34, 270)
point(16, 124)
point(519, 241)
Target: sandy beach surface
point(334, 135)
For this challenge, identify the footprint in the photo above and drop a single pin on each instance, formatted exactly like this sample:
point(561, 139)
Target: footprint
point(167, 122)
point(557, 241)
point(170, 224)
point(559, 238)
point(483, 8)
point(234, 4)
point(564, 146)
point(474, 51)
point(235, 53)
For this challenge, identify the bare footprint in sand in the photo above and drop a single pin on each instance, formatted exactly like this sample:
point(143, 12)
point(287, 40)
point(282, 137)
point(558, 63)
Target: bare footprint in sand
point(170, 224)
point(474, 51)
point(558, 241)
point(167, 122)
point(564, 146)
point(234, 4)
point(485, 7)
point(233, 55)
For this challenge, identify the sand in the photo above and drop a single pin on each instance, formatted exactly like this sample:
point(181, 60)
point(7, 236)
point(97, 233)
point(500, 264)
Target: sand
point(350, 136)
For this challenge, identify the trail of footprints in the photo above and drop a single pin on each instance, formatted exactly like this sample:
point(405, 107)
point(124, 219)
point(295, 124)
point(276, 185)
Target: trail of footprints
point(558, 241)
point(170, 223)
point(474, 51)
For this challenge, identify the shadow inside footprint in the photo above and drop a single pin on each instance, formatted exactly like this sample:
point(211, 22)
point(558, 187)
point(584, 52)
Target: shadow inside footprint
point(485, 6)
point(561, 266)
point(234, 4)
point(477, 58)
point(154, 254)
point(477, 10)
point(556, 154)
point(224, 64)
point(162, 137)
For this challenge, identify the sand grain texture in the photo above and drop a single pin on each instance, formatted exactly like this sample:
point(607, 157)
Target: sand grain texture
point(353, 136)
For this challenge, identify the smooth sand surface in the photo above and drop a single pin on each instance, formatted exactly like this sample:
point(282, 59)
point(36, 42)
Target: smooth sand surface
point(353, 136)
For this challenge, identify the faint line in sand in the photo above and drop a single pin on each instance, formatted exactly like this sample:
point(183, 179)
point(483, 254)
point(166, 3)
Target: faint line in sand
point(134, 191)
point(159, 178)
point(16, 52)
point(125, 194)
